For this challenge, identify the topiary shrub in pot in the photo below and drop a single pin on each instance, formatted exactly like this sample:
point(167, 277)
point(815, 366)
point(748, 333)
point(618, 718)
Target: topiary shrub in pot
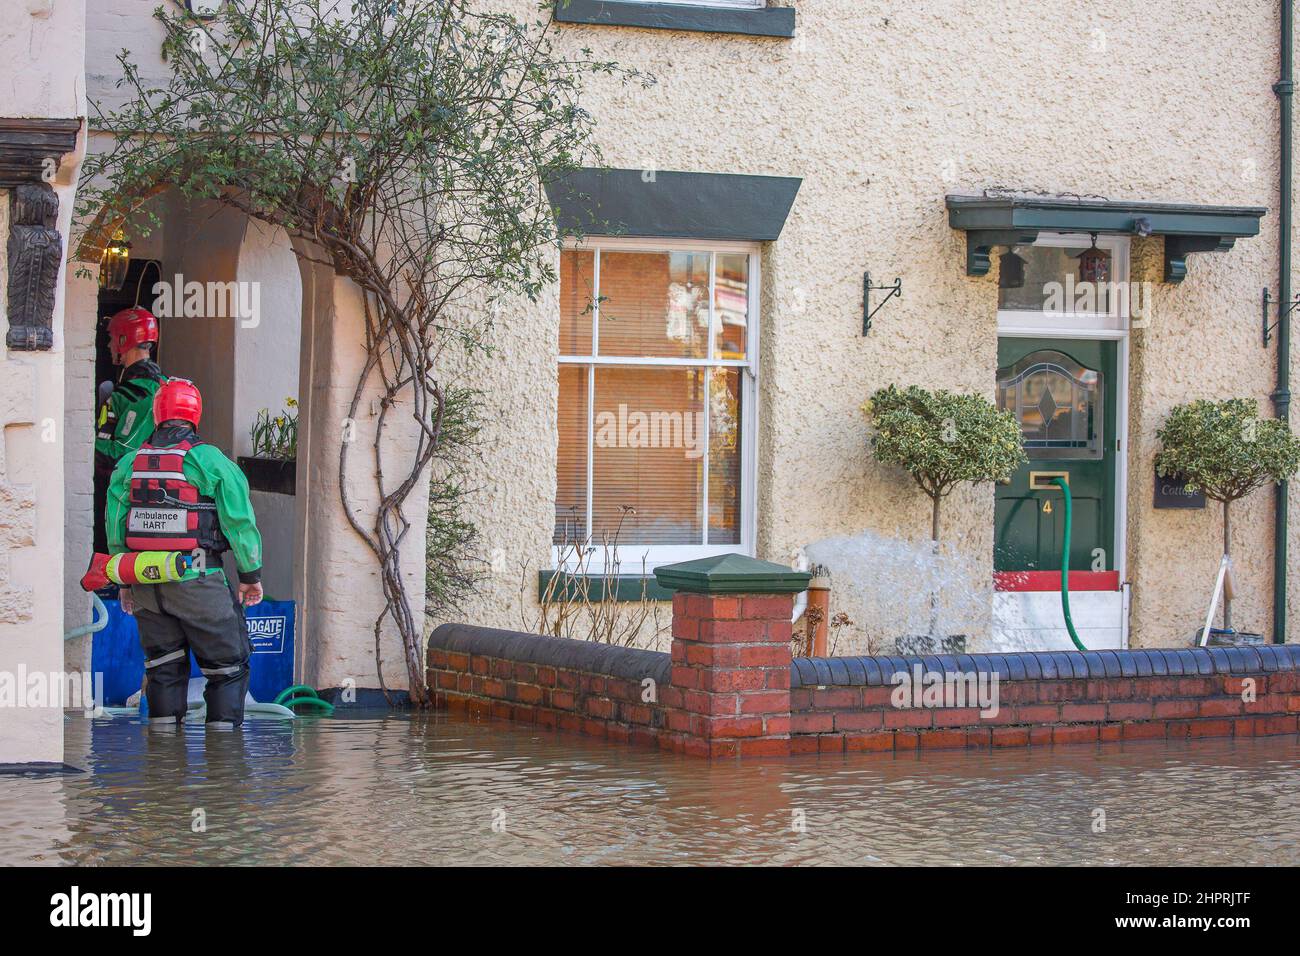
point(943, 439)
point(1226, 450)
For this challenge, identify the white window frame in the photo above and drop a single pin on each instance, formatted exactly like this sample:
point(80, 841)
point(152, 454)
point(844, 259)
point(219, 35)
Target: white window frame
point(1038, 322)
point(633, 557)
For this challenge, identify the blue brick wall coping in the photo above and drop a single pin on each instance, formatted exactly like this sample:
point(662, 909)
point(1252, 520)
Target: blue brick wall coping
point(610, 660)
point(1051, 665)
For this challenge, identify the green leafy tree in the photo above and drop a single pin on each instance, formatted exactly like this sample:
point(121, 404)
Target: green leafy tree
point(1226, 450)
point(943, 439)
point(407, 145)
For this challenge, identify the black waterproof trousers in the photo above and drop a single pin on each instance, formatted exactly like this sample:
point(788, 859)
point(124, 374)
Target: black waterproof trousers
point(202, 616)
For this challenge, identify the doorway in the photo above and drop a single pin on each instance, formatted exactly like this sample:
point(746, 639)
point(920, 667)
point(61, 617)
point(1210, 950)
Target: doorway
point(110, 302)
point(1063, 394)
point(1062, 370)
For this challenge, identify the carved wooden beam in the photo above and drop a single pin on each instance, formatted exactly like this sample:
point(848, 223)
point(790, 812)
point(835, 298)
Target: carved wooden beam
point(31, 149)
point(30, 153)
point(981, 242)
point(35, 253)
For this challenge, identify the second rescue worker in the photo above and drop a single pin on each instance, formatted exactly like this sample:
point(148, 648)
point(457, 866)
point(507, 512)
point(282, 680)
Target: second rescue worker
point(125, 416)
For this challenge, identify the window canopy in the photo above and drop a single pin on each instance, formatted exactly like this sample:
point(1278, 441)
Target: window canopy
point(635, 202)
point(1017, 220)
point(752, 19)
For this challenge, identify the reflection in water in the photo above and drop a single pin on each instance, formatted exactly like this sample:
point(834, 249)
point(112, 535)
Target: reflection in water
point(426, 790)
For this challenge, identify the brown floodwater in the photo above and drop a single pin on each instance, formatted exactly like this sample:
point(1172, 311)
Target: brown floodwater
point(442, 790)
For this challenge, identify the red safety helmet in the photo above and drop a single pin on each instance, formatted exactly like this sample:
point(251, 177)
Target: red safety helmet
point(129, 329)
point(178, 398)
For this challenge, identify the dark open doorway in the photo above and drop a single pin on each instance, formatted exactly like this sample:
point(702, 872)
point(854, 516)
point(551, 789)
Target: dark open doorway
point(134, 291)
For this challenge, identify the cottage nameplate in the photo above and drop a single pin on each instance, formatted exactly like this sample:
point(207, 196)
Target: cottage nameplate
point(1172, 493)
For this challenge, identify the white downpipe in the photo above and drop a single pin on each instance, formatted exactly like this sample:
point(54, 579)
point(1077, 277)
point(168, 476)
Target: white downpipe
point(801, 599)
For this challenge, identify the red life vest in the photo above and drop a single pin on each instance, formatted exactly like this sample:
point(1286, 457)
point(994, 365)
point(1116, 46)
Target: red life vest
point(167, 512)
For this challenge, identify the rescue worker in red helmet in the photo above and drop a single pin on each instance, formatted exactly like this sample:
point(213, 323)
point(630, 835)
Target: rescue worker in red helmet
point(125, 417)
point(178, 493)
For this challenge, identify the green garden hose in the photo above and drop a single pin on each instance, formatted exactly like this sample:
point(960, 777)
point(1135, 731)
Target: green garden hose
point(291, 698)
point(1065, 563)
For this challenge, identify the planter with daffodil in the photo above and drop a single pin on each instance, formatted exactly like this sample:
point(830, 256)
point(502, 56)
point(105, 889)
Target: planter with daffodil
point(273, 465)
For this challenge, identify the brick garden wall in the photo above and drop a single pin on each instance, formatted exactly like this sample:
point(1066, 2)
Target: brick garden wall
point(723, 691)
point(849, 703)
point(730, 688)
point(595, 689)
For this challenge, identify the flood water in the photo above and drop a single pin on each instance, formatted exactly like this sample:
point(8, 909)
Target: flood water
point(442, 790)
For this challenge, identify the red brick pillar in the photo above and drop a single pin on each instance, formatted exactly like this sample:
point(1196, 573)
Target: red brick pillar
point(730, 687)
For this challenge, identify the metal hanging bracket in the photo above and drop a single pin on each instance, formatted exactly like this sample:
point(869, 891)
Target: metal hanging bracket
point(1265, 301)
point(868, 313)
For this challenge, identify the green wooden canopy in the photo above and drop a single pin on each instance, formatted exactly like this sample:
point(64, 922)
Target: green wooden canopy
point(990, 221)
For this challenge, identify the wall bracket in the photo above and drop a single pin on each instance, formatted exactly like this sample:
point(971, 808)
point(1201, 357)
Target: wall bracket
point(1265, 301)
point(868, 313)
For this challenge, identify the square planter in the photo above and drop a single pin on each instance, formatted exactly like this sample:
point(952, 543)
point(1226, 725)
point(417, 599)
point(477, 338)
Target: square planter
point(274, 475)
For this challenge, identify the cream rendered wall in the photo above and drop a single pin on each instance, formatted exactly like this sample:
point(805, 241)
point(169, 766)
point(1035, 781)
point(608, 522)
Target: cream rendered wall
point(266, 373)
point(44, 43)
point(78, 455)
point(202, 245)
point(339, 588)
point(267, 350)
point(883, 108)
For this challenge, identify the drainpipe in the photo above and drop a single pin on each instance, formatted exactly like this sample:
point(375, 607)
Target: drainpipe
point(1282, 394)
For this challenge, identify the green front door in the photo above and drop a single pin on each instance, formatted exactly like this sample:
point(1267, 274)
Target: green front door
point(1063, 392)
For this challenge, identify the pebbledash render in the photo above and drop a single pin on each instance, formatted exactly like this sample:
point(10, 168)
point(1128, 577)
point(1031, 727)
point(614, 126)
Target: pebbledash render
point(703, 358)
point(749, 193)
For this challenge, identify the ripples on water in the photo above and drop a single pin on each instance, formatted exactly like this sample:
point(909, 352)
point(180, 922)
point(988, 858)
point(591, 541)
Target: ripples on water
point(426, 790)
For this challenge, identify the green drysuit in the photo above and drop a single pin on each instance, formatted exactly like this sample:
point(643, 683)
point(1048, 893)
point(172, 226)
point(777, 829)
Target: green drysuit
point(216, 477)
point(126, 419)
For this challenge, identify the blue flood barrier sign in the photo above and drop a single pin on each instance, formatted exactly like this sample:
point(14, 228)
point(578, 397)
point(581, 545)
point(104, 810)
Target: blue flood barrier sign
point(266, 633)
point(115, 652)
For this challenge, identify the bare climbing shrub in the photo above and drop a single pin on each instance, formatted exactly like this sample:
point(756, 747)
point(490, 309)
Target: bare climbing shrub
point(584, 603)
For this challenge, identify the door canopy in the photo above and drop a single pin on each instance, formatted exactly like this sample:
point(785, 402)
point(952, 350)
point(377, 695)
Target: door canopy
point(1009, 220)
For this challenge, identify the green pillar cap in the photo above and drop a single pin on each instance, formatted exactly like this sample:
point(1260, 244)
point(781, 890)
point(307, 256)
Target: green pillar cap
point(731, 574)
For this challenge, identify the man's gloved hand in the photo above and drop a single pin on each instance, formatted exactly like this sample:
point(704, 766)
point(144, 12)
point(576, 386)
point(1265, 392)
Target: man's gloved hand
point(250, 594)
point(125, 601)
